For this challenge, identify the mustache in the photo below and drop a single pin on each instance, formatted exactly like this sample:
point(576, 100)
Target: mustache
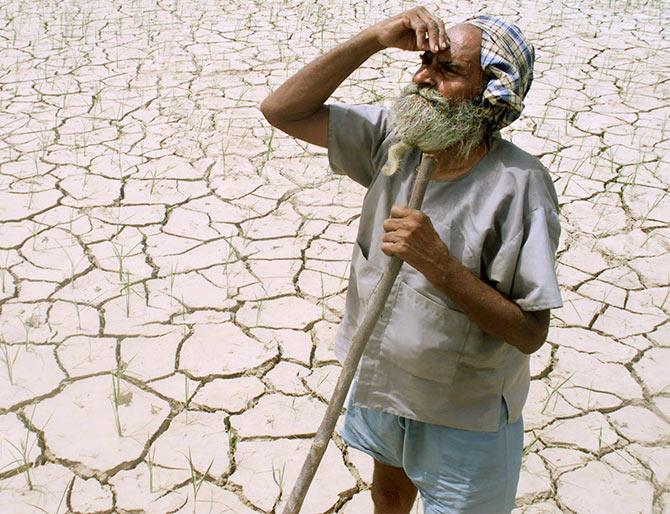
point(428, 93)
point(434, 98)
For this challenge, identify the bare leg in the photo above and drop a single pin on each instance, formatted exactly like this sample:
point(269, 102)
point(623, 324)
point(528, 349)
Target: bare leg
point(392, 491)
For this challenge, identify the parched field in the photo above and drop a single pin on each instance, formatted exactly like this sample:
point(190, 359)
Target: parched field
point(172, 269)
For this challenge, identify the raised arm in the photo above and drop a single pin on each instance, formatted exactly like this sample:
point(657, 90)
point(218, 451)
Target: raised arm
point(298, 108)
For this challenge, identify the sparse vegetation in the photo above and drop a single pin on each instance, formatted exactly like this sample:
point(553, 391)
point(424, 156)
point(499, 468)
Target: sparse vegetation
point(94, 95)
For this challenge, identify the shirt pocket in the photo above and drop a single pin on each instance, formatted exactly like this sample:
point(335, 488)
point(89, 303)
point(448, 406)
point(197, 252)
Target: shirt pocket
point(424, 337)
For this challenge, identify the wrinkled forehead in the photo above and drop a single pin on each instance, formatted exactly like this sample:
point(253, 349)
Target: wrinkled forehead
point(465, 43)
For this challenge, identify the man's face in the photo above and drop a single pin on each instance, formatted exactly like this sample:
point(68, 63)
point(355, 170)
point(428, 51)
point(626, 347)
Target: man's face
point(441, 108)
point(456, 72)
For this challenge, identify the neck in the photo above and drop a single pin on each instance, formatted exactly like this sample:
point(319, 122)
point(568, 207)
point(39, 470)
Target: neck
point(449, 166)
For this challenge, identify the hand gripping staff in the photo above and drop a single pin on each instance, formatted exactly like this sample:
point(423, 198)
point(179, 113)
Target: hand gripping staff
point(358, 342)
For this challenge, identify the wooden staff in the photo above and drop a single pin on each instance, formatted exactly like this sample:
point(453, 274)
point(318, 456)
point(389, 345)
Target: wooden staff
point(358, 342)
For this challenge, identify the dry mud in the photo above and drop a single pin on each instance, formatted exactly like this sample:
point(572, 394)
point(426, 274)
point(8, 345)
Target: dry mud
point(172, 269)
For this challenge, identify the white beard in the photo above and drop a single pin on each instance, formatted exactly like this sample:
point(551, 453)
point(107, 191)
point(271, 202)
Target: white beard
point(426, 120)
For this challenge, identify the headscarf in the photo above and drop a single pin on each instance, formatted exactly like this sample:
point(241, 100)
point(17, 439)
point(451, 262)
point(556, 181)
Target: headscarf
point(508, 59)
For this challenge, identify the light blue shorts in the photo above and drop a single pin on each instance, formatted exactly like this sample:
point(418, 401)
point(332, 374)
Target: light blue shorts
point(455, 471)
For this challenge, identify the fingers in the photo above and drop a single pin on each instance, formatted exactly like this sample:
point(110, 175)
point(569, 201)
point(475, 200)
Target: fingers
point(397, 226)
point(405, 212)
point(395, 236)
point(420, 29)
point(442, 37)
point(397, 247)
point(388, 249)
point(430, 31)
point(405, 224)
point(433, 27)
point(400, 212)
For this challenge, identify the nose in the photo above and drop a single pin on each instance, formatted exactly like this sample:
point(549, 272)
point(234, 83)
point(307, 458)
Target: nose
point(424, 77)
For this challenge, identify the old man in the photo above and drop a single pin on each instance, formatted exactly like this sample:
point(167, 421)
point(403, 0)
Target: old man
point(438, 395)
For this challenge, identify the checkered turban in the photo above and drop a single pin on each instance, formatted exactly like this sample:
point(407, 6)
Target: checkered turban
point(507, 58)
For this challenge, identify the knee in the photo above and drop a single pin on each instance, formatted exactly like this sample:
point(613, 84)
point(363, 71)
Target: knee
point(389, 500)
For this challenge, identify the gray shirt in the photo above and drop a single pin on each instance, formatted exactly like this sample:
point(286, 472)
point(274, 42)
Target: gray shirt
point(425, 359)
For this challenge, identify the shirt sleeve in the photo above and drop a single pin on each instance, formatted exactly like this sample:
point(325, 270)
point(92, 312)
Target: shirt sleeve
point(356, 140)
point(524, 267)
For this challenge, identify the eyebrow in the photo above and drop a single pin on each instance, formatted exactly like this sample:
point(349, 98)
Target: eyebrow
point(427, 56)
point(452, 64)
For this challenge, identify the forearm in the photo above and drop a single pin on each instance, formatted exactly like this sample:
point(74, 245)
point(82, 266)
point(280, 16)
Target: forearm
point(306, 92)
point(492, 311)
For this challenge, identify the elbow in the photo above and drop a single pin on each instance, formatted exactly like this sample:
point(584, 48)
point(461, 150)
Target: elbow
point(273, 113)
point(534, 341)
point(530, 348)
point(535, 332)
point(527, 343)
point(268, 110)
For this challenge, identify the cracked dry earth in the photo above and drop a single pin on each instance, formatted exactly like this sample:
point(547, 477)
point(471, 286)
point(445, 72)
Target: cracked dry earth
point(173, 270)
